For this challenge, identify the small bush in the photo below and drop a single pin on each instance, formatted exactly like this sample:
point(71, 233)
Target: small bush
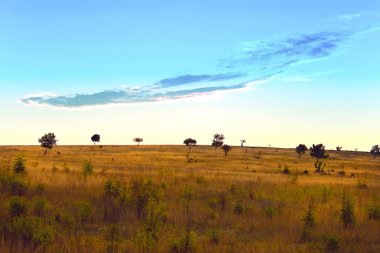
point(286, 170)
point(347, 212)
point(373, 212)
point(238, 208)
point(16, 206)
point(183, 244)
point(214, 236)
point(87, 168)
point(41, 207)
point(309, 217)
point(84, 211)
point(112, 188)
point(31, 231)
point(19, 166)
point(341, 173)
point(332, 243)
point(112, 236)
point(13, 185)
point(270, 211)
point(319, 166)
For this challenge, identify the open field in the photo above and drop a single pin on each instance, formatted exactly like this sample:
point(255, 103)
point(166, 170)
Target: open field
point(151, 199)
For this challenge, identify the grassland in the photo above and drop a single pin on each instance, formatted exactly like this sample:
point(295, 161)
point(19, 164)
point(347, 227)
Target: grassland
point(151, 199)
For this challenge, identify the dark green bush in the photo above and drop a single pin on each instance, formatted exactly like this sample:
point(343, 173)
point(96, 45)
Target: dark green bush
point(332, 243)
point(19, 166)
point(16, 206)
point(14, 185)
point(348, 210)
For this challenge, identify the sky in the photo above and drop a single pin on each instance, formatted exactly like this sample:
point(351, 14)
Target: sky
point(276, 73)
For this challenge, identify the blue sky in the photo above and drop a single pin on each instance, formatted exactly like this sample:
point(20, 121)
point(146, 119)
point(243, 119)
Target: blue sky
point(278, 73)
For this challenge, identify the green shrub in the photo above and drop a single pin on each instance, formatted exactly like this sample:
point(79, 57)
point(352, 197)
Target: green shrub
point(214, 236)
point(40, 207)
point(40, 188)
point(87, 168)
point(31, 231)
point(270, 211)
point(286, 170)
point(348, 210)
point(238, 208)
point(112, 236)
point(142, 190)
point(183, 244)
point(332, 243)
point(19, 166)
point(309, 217)
point(84, 211)
point(13, 185)
point(112, 188)
point(16, 206)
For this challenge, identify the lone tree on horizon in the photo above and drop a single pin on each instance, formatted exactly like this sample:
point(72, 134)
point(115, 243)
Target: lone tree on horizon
point(338, 148)
point(375, 151)
point(319, 152)
point(218, 141)
point(242, 142)
point(301, 149)
point(48, 141)
point(95, 138)
point(226, 148)
point(138, 140)
point(190, 142)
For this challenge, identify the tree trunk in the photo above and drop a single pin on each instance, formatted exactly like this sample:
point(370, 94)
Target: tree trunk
point(45, 152)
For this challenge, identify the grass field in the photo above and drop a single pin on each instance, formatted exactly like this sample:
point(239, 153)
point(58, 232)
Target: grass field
point(151, 199)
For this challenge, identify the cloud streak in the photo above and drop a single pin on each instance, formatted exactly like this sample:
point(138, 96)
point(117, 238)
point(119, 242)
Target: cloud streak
point(263, 60)
point(125, 96)
point(187, 79)
point(284, 52)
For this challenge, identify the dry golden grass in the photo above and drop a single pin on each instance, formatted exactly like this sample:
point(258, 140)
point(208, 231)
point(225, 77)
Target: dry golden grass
point(263, 209)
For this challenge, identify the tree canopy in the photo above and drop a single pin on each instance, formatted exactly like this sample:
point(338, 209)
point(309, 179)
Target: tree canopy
point(95, 138)
point(318, 151)
point(48, 141)
point(218, 141)
point(189, 142)
point(138, 140)
point(375, 150)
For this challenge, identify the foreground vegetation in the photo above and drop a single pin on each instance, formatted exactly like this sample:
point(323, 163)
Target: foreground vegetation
point(167, 199)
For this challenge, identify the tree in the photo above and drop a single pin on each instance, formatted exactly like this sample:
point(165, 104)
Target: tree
point(217, 142)
point(375, 151)
point(242, 142)
point(95, 138)
point(226, 148)
point(48, 141)
point(338, 148)
point(319, 152)
point(189, 142)
point(138, 140)
point(301, 149)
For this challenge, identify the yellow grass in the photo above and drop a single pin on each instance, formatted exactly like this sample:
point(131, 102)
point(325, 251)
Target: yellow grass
point(272, 204)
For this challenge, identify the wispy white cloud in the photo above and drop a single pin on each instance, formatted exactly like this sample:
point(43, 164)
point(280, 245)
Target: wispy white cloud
point(357, 15)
